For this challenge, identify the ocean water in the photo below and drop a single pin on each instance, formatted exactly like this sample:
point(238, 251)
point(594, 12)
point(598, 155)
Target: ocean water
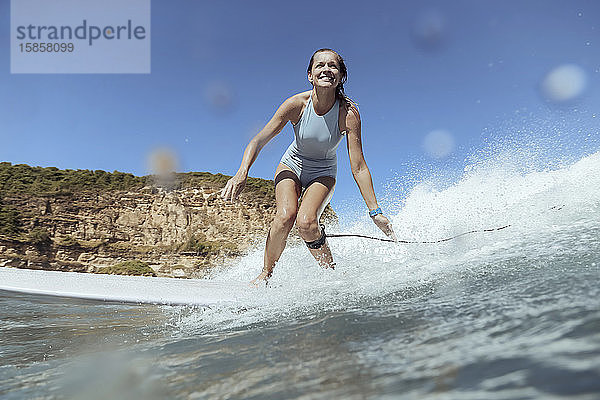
point(510, 314)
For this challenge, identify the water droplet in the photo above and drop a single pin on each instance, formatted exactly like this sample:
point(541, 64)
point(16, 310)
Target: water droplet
point(438, 143)
point(564, 83)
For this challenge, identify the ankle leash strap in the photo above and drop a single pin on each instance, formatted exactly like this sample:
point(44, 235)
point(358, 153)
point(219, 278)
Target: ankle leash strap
point(317, 244)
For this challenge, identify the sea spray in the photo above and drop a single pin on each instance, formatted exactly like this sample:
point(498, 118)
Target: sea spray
point(545, 209)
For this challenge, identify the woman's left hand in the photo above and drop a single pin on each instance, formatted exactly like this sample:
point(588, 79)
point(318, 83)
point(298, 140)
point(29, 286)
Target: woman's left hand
point(385, 225)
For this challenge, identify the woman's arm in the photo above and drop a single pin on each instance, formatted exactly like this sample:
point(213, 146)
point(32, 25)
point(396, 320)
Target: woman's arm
point(361, 172)
point(284, 113)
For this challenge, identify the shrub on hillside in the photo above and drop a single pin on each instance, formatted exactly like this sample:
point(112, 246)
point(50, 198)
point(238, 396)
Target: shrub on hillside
point(132, 267)
point(38, 236)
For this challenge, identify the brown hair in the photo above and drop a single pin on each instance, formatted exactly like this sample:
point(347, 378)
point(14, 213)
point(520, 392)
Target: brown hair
point(339, 90)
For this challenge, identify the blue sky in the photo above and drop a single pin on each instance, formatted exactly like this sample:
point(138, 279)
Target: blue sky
point(487, 66)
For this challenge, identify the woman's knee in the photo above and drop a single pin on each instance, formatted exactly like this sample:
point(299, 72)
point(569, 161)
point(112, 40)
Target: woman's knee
point(286, 217)
point(307, 223)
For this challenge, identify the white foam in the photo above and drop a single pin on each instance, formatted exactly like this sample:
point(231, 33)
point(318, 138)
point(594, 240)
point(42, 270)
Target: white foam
point(540, 205)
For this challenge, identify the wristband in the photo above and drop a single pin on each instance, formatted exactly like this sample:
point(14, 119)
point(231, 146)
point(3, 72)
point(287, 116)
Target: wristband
point(375, 212)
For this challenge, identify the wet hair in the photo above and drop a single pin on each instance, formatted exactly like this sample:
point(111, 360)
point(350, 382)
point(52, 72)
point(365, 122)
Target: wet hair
point(339, 90)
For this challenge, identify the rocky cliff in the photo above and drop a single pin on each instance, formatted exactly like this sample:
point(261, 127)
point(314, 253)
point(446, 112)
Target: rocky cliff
point(90, 221)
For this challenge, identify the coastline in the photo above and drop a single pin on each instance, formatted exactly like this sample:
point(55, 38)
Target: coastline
point(95, 221)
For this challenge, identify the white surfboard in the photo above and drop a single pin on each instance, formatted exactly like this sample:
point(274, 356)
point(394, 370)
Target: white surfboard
point(120, 288)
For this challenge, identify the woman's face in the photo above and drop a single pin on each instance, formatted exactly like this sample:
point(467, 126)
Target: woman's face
point(325, 70)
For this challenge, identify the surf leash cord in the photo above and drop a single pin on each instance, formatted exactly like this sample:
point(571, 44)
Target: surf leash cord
point(417, 241)
point(555, 208)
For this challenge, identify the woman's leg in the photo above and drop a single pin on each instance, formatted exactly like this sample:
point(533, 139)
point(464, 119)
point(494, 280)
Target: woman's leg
point(315, 199)
point(287, 192)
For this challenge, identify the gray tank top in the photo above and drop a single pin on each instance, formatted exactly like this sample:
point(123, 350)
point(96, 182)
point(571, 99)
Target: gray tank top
point(316, 140)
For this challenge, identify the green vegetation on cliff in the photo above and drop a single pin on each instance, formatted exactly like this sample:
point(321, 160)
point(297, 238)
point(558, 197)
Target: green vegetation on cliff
point(38, 236)
point(133, 267)
point(10, 221)
point(206, 179)
point(23, 179)
point(195, 245)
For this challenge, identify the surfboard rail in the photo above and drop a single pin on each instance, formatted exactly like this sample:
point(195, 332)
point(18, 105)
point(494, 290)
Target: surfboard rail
point(122, 288)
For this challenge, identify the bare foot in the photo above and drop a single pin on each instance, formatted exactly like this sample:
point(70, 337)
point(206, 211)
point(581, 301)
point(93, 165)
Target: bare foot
point(263, 277)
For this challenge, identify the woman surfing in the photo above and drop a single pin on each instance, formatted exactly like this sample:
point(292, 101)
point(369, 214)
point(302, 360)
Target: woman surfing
point(321, 117)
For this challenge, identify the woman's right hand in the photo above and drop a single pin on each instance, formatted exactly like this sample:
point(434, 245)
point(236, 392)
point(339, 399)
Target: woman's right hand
point(234, 187)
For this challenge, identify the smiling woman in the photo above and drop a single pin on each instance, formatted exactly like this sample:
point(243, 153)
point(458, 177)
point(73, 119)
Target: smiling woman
point(321, 117)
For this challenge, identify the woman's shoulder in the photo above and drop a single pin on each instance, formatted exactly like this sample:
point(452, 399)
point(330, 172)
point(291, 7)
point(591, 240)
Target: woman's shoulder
point(299, 99)
point(348, 107)
point(349, 115)
point(295, 105)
